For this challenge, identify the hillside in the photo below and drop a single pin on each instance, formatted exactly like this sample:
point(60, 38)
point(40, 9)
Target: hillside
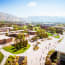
point(10, 18)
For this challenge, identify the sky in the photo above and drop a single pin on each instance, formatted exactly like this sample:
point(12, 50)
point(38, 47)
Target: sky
point(25, 8)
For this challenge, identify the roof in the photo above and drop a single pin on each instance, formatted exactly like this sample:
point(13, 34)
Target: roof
point(17, 31)
point(6, 28)
point(61, 46)
point(31, 31)
point(3, 37)
point(3, 32)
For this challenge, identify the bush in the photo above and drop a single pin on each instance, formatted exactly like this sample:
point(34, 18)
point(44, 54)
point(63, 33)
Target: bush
point(34, 38)
point(60, 40)
point(48, 62)
point(36, 47)
point(49, 34)
point(38, 42)
point(42, 33)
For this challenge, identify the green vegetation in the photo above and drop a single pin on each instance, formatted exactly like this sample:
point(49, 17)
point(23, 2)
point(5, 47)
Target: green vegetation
point(59, 31)
point(20, 46)
point(36, 28)
point(48, 60)
point(34, 38)
point(51, 52)
point(55, 30)
point(30, 27)
point(10, 60)
point(36, 47)
point(25, 31)
point(17, 27)
point(24, 27)
point(57, 36)
point(12, 49)
point(6, 34)
point(42, 34)
point(52, 29)
point(49, 34)
point(60, 39)
point(20, 42)
point(14, 60)
point(1, 57)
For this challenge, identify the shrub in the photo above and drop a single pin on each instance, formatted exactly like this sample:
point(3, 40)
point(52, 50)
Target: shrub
point(42, 33)
point(60, 40)
point(38, 42)
point(34, 38)
point(36, 47)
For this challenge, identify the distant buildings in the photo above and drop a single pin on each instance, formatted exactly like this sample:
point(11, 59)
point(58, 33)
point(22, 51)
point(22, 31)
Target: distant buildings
point(60, 27)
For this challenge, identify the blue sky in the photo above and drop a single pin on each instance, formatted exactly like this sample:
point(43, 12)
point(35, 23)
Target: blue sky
point(25, 8)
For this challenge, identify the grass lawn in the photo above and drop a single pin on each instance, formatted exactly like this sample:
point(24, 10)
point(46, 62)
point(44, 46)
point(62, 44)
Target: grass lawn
point(49, 34)
point(57, 36)
point(11, 49)
point(1, 57)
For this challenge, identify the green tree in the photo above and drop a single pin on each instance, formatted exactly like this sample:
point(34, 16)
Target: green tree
point(42, 33)
point(59, 31)
point(52, 29)
point(21, 42)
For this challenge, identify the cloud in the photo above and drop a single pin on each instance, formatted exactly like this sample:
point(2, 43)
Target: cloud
point(31, 4)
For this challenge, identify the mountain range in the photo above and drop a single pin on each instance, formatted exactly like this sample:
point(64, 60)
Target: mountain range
point(32, 19)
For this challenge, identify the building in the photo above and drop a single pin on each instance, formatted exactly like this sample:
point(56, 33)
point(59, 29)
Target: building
point(5, 39)
point(18, 31)
point(3, 33)
point(5, 29)
point(32, 32)
point(14, 34)
point(59, 27)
